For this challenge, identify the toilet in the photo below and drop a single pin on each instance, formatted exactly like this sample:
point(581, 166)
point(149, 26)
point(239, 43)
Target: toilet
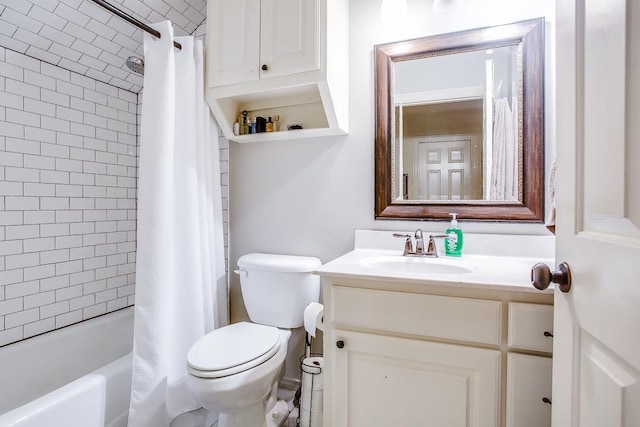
point(234, 370)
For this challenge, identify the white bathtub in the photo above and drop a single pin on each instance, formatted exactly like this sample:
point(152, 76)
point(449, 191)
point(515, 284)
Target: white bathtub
point(78, 376)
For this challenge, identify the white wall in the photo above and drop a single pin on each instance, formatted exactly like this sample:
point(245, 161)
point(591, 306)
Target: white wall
point(307, 197)
point(68, 154)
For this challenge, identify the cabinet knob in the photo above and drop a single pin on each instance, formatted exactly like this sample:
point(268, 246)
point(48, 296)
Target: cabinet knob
point(340, 344)
point(265, 67)
point(542, 276)
point(546, 400)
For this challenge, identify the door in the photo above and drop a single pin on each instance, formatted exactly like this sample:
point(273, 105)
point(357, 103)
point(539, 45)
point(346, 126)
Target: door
point(596, 360)
point(233, 29)
point(391, 381)
point(447, 168)
point(290, 37)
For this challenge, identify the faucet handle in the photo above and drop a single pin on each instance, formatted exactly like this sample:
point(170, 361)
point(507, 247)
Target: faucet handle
point(431, 247)
point(408, 248)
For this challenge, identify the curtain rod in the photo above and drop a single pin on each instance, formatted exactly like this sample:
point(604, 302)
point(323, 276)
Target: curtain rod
point(130, 19)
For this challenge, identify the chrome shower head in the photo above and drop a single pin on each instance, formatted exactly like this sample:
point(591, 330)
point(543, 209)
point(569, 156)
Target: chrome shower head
point(135, 64)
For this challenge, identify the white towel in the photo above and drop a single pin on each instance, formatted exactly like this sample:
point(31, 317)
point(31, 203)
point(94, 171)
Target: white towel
point(550, 223)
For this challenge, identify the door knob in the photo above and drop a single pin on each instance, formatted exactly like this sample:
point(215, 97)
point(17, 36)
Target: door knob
point(542, 276)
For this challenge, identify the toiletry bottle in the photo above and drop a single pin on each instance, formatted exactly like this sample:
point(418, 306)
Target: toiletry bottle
point(276, 124)
point(236, 127)
point(260, 124)
point(453, 242)
point(244, 124)
point(252, 129)
point(269, 125)
point(240, 118)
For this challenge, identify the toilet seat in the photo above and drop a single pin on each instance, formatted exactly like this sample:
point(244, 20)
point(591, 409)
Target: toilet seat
point(232, 349)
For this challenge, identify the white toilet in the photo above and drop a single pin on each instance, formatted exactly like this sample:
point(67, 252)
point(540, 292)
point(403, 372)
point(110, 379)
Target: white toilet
point(234, 370)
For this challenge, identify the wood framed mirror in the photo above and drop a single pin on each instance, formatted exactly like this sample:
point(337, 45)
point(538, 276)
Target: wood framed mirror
point(460, 125)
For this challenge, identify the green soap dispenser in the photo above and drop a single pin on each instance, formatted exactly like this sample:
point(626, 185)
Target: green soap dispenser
point(453, 242)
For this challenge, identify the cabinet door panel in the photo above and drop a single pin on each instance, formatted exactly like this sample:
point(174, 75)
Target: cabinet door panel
point(528, 382)
point(233, 28)
point(290, 37)
point(389, 381)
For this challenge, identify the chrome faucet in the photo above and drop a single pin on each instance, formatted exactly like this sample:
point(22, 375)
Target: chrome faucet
point(419, 242)
point(408, 246)
point(431, 252)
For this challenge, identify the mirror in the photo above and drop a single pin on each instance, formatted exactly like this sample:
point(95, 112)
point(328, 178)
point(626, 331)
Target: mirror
point(459, 125)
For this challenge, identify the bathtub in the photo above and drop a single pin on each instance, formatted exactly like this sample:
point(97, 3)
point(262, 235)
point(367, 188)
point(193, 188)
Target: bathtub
point(78, 376)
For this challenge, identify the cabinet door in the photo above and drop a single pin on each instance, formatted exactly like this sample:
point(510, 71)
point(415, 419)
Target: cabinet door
point(290, 37)
point(233, 38)
point(390, 381)
point(528, 382)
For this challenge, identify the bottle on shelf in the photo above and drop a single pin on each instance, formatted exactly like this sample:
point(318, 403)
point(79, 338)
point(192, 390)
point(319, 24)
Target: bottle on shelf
point(269, 125)
point(261, 124)
point(276, 123)
point(244, 124)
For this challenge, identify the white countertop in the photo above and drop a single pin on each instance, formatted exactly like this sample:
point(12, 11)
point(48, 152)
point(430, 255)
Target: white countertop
point(497, 270)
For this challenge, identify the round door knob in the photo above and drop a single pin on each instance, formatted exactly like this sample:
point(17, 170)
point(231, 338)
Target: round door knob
point(542, 276)
point(265, 67)
point(340, 344)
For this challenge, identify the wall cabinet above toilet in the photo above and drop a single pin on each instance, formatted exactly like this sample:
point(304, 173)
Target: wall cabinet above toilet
point(261, 39)
point(278, 57)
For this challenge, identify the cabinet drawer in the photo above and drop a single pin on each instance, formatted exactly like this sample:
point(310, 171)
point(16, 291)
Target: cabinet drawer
point(463, 319)
point(528, 324)
point(528, 382)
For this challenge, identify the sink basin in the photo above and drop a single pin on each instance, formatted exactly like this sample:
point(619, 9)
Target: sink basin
point(415, 265)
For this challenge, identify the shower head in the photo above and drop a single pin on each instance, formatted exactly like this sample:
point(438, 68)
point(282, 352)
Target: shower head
point(135, 64)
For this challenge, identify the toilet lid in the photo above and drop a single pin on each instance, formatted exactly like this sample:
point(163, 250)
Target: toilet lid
point(225, 350)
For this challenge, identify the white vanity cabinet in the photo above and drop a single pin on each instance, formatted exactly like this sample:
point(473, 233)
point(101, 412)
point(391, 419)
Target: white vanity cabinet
point(422, 354)
point(257, 39)
point(528, 399)
point(278, 57)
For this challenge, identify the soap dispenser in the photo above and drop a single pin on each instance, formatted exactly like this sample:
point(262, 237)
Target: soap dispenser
point(453, 242)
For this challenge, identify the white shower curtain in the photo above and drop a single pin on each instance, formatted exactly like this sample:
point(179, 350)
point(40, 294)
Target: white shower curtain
point(181, 290)
point(504, 165)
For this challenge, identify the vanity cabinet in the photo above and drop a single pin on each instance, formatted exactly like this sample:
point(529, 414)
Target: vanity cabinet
point(424, 354)
point(259, 39)
point(278, 57)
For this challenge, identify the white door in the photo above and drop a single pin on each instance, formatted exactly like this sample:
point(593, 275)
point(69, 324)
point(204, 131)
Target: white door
point(596, 370)
point(233, 28)
point(447, 168)
point(290, 37)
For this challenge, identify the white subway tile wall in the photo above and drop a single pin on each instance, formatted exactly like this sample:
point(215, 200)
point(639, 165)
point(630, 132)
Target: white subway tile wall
point(78, 35)
point(68, 170)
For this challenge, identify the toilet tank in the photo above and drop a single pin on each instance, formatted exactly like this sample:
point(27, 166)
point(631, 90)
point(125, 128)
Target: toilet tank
point(277, 288)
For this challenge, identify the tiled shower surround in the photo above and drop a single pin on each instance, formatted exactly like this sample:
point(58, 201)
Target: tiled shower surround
point(68, 168)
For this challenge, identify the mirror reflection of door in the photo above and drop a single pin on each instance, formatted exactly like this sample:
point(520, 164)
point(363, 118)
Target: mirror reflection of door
point(446, 167)
point(442, 150)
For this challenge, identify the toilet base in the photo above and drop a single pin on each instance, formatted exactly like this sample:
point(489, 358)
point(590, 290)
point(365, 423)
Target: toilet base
point(254, 416)
point(277, 416)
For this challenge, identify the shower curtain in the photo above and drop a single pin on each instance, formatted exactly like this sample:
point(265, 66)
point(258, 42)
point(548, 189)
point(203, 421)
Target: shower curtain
point(504, 165)
point(181, 290)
